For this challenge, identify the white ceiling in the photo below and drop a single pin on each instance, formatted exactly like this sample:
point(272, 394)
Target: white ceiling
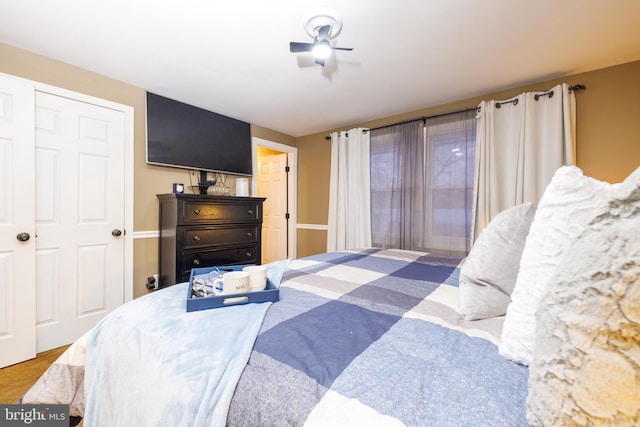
point(232, 56)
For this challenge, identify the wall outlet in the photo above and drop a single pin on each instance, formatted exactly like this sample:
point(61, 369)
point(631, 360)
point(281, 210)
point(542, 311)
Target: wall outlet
point(153, 282)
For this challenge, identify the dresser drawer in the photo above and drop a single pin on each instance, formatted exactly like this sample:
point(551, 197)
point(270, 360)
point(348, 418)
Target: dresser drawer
point(216, 257)
point(197, 212)
point(200, 237)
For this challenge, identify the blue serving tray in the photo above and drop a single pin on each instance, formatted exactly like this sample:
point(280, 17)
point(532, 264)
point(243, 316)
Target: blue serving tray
point(197, 303)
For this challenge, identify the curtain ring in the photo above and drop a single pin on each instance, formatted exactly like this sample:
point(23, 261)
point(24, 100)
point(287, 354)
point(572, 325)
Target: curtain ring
point(513, 101)
point(538, 95)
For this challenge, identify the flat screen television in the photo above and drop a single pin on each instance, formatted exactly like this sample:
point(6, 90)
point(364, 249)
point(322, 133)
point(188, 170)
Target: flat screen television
point(185, 136)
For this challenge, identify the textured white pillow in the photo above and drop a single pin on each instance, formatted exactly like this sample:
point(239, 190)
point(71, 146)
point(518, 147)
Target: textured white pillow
point(489, 272)
point(586, 363)
point(565, 206)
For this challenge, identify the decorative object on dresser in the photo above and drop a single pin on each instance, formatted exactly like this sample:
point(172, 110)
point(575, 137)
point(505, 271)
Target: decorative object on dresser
point(204, 231)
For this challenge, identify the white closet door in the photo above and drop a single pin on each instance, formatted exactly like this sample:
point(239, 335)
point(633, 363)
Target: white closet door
point(79, 215)
point(17, 217)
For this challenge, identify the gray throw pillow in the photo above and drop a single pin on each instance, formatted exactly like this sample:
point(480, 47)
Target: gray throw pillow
point(586, 362)
point(489, 272)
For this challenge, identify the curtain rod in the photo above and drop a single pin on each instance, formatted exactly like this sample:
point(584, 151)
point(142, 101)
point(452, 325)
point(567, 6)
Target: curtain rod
point(576, 87)
point(422, 119)
point(537, 96)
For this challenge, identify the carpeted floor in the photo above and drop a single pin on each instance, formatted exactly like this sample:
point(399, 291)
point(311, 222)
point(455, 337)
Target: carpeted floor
point(16, 379)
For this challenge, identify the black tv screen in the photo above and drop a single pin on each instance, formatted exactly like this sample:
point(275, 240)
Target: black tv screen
point(185, 136)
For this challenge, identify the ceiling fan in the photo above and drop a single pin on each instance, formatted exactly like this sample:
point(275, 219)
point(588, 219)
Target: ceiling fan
point(323, 26)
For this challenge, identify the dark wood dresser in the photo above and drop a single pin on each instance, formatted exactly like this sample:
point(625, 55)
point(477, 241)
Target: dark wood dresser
point(203, 231)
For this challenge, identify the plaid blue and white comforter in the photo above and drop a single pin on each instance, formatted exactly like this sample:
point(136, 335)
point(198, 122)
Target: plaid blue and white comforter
point(370, 338)
point(375, 338)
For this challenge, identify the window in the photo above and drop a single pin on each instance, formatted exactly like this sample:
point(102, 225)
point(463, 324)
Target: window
point(422, 184)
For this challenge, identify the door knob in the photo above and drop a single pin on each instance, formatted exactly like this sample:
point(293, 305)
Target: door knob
point(23, 237)
point(116, 233)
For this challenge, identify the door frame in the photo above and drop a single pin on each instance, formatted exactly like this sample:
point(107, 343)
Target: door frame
point(128, 112)
point(292, 185)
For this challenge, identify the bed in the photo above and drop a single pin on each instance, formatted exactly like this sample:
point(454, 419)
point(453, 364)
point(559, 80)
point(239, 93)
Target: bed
point(538, 325)
point(369, 337)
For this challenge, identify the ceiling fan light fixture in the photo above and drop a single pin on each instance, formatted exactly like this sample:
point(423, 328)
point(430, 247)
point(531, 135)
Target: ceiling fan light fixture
point(322, 49)
point(322, 27)
point(320, 17)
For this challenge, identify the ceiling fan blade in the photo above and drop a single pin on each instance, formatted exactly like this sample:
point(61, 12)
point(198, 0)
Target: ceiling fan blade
point(323, 32)
point(295, 47)
point(320, 62)
point(342, 48)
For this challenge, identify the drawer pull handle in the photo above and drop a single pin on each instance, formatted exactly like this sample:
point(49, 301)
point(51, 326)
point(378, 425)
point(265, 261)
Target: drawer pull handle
point(250, 212)
point(196, 261)
point(196, 238)
point(248, 254)
point(196, 211)
point(249, 234)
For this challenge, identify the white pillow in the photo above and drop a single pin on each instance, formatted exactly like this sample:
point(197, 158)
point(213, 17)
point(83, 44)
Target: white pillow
point(586, 363)
point(489, 272)
point(566, 204)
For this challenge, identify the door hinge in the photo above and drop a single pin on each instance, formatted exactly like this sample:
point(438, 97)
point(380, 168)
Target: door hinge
point(287, 169)
point(286, 216)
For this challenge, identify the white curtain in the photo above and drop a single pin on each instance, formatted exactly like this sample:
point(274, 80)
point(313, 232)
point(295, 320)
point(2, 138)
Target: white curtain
point(398, 186)
point(520, 143)
point(349, 191)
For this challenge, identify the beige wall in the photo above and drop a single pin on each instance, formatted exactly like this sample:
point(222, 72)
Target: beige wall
point(149, 180)
point(608, 139)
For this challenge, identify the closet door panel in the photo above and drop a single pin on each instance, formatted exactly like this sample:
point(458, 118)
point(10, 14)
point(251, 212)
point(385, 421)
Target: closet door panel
point(80, 148)
point(17, 221)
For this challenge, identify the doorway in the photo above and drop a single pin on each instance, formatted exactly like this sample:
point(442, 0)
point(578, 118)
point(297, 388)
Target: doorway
point(275, 178)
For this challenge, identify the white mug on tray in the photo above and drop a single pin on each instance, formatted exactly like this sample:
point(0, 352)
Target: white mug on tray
point(257, 277)
point(232, 282)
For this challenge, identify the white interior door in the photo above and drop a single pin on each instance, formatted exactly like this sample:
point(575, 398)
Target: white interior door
point(272, 184)
point(80, 191)
point(17, 216)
